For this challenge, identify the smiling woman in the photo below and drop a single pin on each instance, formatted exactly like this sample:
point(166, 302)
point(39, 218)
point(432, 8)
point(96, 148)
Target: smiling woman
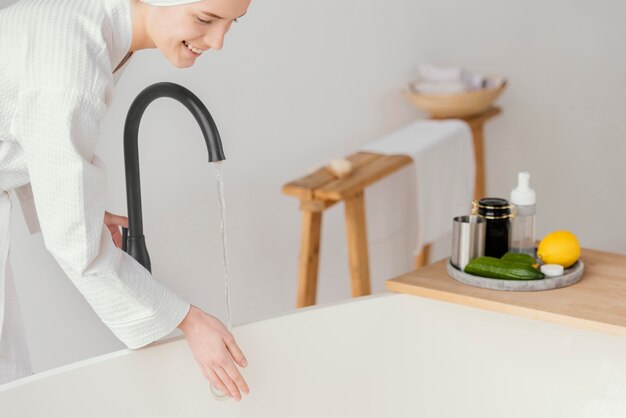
point(54, 94)
point(183, 30)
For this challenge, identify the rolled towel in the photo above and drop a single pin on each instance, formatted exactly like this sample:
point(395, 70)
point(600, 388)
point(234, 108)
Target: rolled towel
point(449, 80)
point(430, 72)
point(474, 81)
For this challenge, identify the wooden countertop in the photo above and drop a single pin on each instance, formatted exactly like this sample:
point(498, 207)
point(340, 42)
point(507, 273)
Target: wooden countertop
point(597, 302)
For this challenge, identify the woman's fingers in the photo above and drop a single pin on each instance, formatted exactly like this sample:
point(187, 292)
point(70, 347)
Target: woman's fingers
point(232, 387)
point(117, 238)
point(236, 377)
point(123, 221)
point(111, 219)
point(217, 382)
point(112, 222)
point(213, 346)
point(115, 234)
point(235, 351)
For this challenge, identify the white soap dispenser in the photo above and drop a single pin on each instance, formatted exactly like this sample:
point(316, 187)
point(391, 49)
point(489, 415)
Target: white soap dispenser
point(522, 238)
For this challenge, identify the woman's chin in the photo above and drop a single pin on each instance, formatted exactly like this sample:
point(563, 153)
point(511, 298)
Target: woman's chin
point(179, 60)
point(182, 63)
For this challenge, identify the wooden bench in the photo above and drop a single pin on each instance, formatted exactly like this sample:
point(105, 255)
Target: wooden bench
point(321, 190)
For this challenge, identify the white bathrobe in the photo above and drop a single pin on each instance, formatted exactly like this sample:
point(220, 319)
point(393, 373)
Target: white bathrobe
point(57, 59)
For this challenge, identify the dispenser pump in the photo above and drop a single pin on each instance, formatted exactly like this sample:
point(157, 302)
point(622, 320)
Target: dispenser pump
point(523, 195)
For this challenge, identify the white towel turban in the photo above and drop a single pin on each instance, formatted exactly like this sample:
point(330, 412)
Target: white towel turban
point(169, 2)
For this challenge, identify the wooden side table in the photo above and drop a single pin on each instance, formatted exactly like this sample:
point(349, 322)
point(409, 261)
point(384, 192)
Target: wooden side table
point(321, 190)
point(595, 303)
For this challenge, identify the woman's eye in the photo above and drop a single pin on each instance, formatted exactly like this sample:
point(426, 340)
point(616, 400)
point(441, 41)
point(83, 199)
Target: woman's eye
point(205, 22)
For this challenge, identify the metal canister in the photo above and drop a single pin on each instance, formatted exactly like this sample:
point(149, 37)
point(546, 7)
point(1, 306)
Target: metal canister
point(497, 212)
point(468, 240)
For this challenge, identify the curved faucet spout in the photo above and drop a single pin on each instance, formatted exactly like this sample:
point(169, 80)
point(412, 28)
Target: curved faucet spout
point(134, 242)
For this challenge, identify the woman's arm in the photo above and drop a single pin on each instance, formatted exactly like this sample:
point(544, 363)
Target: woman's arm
point(58, 130)
point(212, 345)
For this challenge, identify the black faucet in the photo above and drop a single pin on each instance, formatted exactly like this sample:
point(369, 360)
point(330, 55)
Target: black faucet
point(134, 242)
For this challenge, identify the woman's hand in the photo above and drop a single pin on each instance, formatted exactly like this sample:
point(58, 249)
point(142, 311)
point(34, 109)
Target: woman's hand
point(113, 222)
point(214, 348)
point(212, 345)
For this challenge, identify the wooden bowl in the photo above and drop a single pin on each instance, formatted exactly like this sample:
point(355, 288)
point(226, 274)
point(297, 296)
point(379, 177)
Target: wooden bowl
point(458, 104)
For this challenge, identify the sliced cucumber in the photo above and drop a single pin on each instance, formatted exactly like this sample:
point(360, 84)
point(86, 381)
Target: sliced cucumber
point(497, 268)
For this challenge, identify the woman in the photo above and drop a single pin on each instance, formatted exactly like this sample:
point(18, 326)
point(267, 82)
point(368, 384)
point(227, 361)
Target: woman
point(59, 63)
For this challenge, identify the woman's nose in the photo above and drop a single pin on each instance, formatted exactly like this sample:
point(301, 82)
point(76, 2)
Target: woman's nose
point(215, 39)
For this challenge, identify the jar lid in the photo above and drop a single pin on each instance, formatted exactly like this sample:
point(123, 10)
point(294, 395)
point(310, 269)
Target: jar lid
point(492, 208)
point(493, 203)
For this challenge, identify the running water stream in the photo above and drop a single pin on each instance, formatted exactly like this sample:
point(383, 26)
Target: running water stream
point(220, 191)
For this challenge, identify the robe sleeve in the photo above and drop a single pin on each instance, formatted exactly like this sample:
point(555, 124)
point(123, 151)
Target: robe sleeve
point(25, 195)
point(58, 130)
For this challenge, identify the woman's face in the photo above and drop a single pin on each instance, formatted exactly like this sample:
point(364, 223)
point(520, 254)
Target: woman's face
point(183, 33)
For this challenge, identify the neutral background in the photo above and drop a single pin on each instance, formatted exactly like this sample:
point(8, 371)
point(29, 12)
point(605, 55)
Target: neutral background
point(300, 82)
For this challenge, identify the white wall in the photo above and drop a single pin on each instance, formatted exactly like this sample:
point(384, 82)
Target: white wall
point(299, 82)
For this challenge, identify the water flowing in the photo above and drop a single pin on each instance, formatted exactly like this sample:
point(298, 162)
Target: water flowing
point(220, 191)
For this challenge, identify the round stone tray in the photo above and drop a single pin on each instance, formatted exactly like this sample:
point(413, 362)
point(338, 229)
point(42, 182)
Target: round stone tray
point(570, 276)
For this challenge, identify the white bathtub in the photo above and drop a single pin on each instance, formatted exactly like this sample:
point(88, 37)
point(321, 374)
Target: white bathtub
point(388, 355)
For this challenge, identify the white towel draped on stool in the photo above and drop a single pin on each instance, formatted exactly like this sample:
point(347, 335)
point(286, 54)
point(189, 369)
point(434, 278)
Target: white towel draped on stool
point(445, 172)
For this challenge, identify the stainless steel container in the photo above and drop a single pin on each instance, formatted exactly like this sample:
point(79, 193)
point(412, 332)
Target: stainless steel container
point(468, 239)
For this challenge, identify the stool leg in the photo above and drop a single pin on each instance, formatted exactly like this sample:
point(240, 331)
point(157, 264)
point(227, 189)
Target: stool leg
point(309, 258)
point(479, 158)
point(357, 244)
point(422, 258)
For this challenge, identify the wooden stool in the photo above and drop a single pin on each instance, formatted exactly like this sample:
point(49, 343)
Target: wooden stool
point(321, 190)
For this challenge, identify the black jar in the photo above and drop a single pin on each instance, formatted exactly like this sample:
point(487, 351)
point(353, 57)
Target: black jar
point(497, 213)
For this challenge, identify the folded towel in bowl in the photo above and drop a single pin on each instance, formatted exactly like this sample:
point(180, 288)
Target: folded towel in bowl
point(437, 74)
point(448, 80)
point(444, 172)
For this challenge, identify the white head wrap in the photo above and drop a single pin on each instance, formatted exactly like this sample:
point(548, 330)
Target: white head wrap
point(169, 2)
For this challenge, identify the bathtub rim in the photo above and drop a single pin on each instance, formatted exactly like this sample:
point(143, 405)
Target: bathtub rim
point(173, 339)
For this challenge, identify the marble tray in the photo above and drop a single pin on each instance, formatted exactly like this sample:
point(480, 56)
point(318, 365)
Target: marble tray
point(570, 276)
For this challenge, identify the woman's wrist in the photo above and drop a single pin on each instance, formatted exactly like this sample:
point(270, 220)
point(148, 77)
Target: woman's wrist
point(189, 319)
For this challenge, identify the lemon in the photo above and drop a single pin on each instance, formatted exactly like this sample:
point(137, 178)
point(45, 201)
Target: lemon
point(559, 247)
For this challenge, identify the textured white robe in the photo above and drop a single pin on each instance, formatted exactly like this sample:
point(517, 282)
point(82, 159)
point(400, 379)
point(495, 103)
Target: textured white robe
point(57, 59)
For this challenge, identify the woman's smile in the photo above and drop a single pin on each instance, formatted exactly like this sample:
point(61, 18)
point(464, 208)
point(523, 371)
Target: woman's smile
point(191, 50)
point(197, 51)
